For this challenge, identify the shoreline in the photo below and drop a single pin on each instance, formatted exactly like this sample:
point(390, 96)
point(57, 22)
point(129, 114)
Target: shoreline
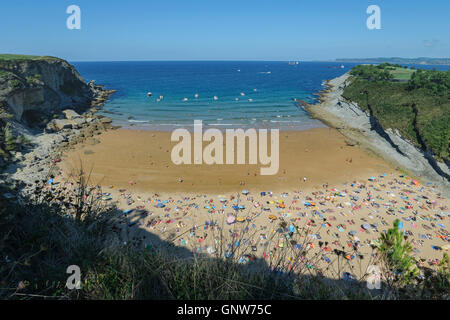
point(320, 154)
point(355, 125)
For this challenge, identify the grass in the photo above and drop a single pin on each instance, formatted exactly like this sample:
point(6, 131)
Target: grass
point(402, 74)
point(14, 57)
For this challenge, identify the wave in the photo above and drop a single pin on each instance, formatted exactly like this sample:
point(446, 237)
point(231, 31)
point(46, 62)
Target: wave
point(139, 121)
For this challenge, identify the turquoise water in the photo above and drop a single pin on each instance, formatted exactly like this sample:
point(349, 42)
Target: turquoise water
point(268, 91)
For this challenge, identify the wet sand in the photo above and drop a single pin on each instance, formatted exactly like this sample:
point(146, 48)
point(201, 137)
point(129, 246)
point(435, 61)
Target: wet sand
point(143, 159)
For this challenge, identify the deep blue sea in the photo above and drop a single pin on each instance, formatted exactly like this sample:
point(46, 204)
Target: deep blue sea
point(248, 94)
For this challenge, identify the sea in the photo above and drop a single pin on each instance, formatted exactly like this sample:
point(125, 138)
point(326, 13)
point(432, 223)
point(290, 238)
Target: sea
point(163, 95)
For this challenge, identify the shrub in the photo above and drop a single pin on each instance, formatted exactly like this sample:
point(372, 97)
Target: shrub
point(34, 79)
point(9, 140)
point(400, 266)
point(15, 84)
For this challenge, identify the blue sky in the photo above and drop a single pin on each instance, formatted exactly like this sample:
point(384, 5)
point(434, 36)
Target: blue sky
point(225, 30)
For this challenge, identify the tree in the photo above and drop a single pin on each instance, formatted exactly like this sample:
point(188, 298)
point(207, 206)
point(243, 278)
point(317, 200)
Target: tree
point(400, 266)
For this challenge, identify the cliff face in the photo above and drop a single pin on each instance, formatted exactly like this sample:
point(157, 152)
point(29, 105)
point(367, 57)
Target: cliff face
point(33, 90)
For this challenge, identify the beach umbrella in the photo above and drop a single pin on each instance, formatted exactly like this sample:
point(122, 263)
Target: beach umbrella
point(231, 219)
point(126, 212)
point(348, 276)
point(366, 226)
point(211, 250)
point(400, 225)
point(240, 219)
point(245, 192)
point(272, 217)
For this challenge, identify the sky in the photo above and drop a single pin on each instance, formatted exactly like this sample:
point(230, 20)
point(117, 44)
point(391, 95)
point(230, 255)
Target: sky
point(225, 30)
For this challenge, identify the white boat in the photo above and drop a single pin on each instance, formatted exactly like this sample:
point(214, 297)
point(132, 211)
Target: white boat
point(185, 99)
point(149, 94)
point(216, 98)
point(196, 96)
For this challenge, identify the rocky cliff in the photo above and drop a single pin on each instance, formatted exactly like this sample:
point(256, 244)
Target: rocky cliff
point(36, 89)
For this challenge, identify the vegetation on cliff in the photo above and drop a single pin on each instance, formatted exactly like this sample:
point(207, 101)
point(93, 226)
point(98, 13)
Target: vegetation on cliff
point(16, 57)
point(418, 108)
point(396, 60)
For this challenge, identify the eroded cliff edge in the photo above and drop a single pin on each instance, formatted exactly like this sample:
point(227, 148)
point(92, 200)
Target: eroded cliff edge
point(361, 128)
point(35, 90)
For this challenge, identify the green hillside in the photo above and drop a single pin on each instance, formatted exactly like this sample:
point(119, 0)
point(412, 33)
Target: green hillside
point(418, 107)
point(10, 57)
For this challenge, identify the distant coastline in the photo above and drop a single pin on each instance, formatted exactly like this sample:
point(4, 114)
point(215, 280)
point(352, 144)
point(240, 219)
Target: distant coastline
point(397, 60)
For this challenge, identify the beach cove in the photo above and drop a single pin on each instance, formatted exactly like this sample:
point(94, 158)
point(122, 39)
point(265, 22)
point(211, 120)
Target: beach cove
point(340, 197)
point(332, 193)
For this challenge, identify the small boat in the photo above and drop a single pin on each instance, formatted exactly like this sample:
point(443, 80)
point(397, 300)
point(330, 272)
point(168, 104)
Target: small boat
point(149, 94)
point(216, 98)
point(185, 99)
point(242, 94)
point(250, 100)
point(196, 96)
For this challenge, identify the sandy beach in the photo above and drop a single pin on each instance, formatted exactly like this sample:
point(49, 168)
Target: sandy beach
point(143, 157)
point(348, 199)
